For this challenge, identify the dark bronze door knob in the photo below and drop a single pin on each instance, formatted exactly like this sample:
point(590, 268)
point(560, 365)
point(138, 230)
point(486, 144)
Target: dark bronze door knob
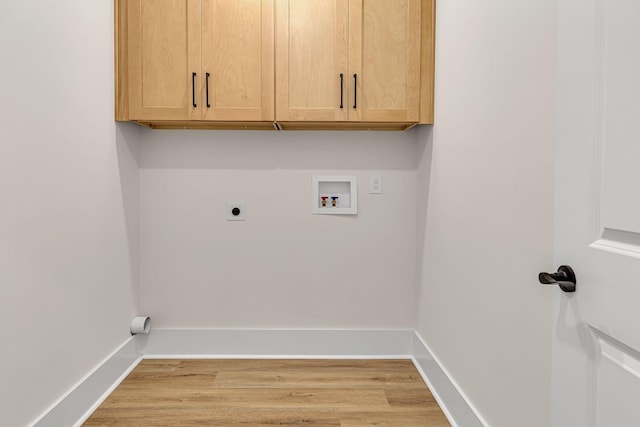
point(564, 277)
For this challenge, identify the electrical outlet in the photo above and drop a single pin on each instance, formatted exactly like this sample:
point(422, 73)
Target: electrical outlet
point(375, 186)
point(236, 211)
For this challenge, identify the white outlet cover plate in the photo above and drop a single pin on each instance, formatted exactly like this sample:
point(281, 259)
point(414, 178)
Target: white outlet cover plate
point(375, 186)
point(242, 216)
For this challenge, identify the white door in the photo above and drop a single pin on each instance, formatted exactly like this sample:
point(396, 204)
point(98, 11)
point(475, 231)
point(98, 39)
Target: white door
point(596, 358)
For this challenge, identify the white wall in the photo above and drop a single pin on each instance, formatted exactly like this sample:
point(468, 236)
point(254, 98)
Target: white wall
point(68, 203)
point(488, 216)
point(283, 267)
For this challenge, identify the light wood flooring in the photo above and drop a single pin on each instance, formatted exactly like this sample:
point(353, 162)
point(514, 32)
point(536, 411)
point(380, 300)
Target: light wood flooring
point(315, 393)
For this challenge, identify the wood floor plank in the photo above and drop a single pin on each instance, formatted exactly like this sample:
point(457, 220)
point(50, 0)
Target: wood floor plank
point(221, 392)
point(255, 398)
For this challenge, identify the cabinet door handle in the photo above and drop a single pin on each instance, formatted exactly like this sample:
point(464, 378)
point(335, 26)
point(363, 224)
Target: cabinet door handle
point(355, 91)
point(207, 85)
point(193, 89)
point(341, 90)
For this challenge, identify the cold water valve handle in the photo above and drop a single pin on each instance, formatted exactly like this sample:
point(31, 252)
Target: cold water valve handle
point(564, 277)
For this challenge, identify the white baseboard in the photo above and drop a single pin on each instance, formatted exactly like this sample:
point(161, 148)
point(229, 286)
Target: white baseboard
point(75, 407)
point(287, 343)
point(456, 406)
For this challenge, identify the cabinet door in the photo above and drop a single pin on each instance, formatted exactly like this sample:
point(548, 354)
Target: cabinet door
point(164, 51)
point(385, 57)
point(237, 53)
point(311, 54)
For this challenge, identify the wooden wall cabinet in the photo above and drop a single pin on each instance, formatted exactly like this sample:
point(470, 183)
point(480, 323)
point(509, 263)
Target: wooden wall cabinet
point(355, 61)
point(194, 63)
point(283, 64)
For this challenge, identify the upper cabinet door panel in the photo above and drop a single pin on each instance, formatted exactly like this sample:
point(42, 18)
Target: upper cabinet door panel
point(385, 54)
point(311, 54)
point(164, 51)
point(237, 52)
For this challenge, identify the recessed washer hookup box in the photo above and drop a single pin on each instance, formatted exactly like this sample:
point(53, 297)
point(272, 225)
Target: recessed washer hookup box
point(335, 195)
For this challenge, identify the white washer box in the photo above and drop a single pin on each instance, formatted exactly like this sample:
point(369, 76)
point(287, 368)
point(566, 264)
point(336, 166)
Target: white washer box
point(343, 188)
